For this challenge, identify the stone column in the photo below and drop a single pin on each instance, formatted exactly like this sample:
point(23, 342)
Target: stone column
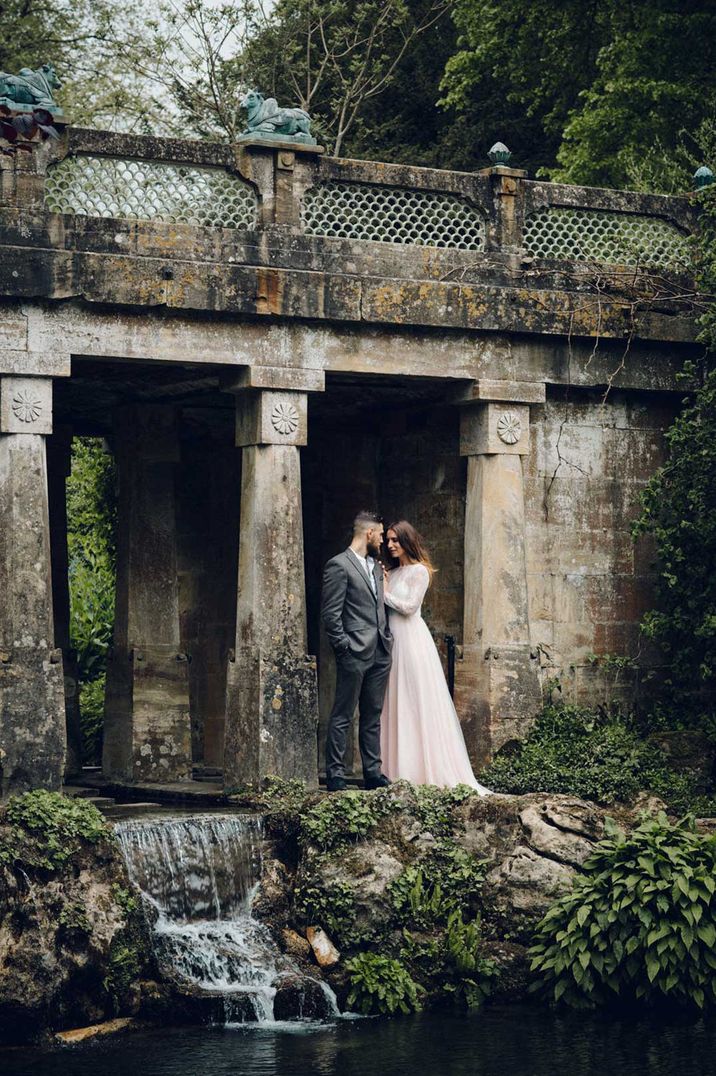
point(32, 705)
point(147, 735)
point(59, 454)
point(497, 685)
point(272, 697)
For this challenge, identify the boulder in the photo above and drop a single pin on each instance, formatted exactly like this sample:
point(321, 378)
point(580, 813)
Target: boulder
point(299, 997)
point(297, 947)
point(68, 947)
point(324, 950)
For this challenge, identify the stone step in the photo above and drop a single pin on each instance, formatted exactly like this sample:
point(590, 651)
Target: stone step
point(101, 801)
point(128, 810)
point(79, 792)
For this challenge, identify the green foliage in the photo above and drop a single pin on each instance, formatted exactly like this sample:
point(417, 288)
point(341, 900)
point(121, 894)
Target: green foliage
point(73, 919)
point(91, 520)
point(123, 967)
point(449, 964)
point(620, 94)
point(639, 925)
point(346, 817)
point(381, 984)
point(47, 829)
point(449, 880)
point(643, 121)
point(92, 719)
point(332, 905)
point(435, 807)
point(126, 900)
point(598, 755)
point(679, 512)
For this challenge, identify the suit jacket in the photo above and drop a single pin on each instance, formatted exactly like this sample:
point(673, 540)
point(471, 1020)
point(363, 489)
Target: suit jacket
point(354, 618)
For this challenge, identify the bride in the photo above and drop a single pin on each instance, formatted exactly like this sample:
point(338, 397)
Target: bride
point(421, 739)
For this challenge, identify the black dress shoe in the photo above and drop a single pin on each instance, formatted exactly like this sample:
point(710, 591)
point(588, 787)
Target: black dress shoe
point(337, 784)
point(376, 782)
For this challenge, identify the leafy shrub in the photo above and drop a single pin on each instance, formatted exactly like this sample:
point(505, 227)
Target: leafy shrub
point(446, 881)
point(47, 829)
point(435, 807)
point(381, 984)
point(640, 924)
point(449, 964)
point(92, 720)
point(346, 817)
point(598, 755)
point(91, 522)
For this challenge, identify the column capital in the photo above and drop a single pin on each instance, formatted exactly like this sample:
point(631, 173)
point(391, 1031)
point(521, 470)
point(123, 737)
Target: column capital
point(271, 417)
point(284, 378)
point(503, 391)
point(26, 405)
point(493, 428)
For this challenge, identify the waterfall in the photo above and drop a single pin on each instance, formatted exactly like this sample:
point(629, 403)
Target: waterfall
point(198, 876)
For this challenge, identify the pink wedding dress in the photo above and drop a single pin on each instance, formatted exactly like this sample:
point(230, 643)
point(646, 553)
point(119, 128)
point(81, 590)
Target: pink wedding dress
point(420, 735)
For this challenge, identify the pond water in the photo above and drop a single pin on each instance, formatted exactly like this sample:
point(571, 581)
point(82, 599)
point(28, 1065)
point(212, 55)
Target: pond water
point(509, 1041)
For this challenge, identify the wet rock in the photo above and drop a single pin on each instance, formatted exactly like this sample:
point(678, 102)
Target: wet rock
point(299, 997)
point(273, 898)
point(297, 947)
point(649, 803)
point(63, 934)
point(513, 967)
point(324, 950)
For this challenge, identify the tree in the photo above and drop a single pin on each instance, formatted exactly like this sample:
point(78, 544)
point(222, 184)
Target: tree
point(522, 68)
point(617, 92)
point(333, 58)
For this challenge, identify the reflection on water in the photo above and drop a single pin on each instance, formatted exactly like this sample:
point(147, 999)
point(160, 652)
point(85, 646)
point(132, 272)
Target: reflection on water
point(514, 1041)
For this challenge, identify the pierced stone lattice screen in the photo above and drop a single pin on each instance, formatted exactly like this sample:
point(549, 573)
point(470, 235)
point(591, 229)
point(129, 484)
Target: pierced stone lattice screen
point(606, 237)
point(392, 215)
point(149, 190)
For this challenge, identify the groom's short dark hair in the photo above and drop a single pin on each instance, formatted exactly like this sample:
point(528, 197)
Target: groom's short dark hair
point(364, 521)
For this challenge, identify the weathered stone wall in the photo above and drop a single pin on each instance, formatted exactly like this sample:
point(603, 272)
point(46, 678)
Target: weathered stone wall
point(589, 583)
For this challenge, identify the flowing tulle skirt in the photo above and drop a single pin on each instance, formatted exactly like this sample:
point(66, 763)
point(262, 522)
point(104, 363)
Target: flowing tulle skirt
point(420, 734)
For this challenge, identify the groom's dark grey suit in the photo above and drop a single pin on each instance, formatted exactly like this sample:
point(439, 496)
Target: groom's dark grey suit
point(356, 624)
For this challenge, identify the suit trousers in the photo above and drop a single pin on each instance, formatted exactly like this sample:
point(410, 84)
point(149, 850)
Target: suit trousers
point(362, 684)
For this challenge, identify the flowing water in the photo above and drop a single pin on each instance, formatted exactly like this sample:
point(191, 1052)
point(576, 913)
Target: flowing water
point(198, 876)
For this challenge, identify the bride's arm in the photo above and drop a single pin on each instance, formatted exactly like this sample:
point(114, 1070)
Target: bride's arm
point(417, 584)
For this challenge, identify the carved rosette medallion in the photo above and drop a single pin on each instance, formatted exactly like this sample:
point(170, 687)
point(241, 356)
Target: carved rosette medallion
point(26, 406)
point(284, 418)
point(509, 428)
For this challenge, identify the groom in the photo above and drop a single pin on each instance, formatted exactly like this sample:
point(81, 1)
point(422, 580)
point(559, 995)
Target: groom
point(353, 615)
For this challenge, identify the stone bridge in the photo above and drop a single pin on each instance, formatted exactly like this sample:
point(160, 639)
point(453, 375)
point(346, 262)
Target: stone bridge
point(270, 340)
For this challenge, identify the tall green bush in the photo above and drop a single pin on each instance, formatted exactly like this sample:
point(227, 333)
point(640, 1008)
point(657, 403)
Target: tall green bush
point(639, 925)
point(91, 520)
point(679, 511)
point(600, 755)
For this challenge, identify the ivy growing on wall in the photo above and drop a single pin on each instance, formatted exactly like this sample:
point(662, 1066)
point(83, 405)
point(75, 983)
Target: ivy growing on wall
point(679, 511)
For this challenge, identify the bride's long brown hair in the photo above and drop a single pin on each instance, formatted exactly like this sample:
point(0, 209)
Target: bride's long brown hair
point(413, 544)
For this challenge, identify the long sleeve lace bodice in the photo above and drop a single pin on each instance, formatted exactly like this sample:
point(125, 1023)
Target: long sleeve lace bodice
point(406, 587)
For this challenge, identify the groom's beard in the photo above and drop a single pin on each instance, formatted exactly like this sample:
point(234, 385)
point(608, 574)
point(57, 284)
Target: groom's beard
point(374, 550)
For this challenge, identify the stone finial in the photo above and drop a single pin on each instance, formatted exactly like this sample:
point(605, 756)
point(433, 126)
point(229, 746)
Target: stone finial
point(30, 90)
point(500, 154)
point(703, 177)
point(267, 120)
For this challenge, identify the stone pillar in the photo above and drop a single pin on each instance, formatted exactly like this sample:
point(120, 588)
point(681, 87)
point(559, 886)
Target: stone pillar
point(32, 705)
point(272, 696)
point(59, 454)
point(497, 685)
point(147, 735)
